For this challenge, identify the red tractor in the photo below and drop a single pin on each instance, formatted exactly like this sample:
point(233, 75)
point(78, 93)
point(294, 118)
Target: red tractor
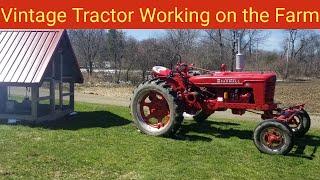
point(157, 105)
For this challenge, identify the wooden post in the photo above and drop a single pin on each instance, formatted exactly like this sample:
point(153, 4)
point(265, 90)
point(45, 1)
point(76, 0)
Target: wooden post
point(60, 95)
point(52, 88)
point(52, 96)
point(5, 93)
point(3, 97)
point(34, 102)
point(71, 103)
point(61, 81)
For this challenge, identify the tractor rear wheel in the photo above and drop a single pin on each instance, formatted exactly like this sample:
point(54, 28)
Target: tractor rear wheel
point(200, 116)
point(155, 109)
point(301, 124)
point(273, 137)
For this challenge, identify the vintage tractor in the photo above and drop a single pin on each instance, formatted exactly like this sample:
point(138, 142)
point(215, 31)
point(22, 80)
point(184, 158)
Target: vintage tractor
point(157, 105)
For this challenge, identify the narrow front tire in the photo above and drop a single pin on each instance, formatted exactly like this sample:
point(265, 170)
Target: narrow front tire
point(273, 137)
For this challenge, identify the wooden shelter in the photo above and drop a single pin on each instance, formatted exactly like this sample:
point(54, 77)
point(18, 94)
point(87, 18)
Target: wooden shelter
point(43, 62)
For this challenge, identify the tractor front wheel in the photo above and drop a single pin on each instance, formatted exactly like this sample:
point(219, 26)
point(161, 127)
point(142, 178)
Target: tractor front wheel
point(155, 109)
point(301, 124)
point(273, 137)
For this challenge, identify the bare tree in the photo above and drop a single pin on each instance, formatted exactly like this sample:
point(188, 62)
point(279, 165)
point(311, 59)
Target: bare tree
point(115, 45)
point(292, 40)
point(147, 57)
point(130, 55)
point(182, 42)
point(87, 44)
point(216, 36)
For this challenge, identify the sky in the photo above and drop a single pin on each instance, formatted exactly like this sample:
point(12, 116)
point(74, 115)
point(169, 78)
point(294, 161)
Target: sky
point(273, 43)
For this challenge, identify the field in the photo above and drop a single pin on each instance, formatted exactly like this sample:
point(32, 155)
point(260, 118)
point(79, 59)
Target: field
point(101, 143)
point(291, 93)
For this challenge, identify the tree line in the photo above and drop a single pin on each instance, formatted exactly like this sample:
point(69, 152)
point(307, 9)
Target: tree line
point(129, 60)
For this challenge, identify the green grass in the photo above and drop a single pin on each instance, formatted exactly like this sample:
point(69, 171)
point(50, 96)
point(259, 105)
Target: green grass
point(102, 143)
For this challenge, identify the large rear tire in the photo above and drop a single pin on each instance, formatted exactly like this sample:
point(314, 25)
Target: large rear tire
point(155, 109)
point(273, 137)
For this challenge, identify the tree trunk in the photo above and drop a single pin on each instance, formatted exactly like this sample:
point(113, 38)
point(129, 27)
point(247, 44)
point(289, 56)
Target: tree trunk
point(119, 73)
point(127, 75)
point(221, 46)
point(127, 72)
point(90, 68)
point(250, 47)
point(233, 50)
point(115, 68)
point(143, 74)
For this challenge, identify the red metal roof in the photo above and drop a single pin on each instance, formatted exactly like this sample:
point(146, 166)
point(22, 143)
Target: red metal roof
point(25, 54)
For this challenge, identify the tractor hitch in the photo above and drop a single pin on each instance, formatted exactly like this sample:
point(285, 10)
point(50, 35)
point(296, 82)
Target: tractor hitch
point(288, 114)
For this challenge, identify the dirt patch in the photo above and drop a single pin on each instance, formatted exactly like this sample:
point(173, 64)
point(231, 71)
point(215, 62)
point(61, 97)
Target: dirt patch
point(107, 91)
point(292, 93)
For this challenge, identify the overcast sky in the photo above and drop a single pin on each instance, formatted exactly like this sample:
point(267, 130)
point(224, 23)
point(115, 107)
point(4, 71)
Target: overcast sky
point(272, 43)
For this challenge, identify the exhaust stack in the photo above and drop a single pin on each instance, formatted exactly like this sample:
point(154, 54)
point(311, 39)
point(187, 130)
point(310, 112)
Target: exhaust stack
point(240, 58)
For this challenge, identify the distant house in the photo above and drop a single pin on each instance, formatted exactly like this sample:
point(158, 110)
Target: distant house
point(35, 59)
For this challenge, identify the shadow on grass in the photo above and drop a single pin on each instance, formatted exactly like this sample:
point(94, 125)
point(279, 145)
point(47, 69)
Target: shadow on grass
point(83, 120)
point(302, 143)
point(227, 130)
point(212, 128)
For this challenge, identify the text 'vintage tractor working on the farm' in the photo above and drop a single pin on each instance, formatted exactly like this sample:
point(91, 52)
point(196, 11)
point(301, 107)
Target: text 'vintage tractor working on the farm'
point(157, 105)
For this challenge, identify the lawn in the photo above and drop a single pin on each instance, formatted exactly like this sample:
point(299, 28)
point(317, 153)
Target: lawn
point(102, 143)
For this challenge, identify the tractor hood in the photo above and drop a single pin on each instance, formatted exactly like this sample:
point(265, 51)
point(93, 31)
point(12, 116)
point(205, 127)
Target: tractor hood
point(232, 78)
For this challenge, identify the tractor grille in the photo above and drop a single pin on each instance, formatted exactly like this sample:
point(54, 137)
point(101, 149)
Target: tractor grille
point(270, 90)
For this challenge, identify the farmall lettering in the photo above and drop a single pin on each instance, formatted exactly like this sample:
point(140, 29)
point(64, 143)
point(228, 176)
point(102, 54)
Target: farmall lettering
point(228, 81)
